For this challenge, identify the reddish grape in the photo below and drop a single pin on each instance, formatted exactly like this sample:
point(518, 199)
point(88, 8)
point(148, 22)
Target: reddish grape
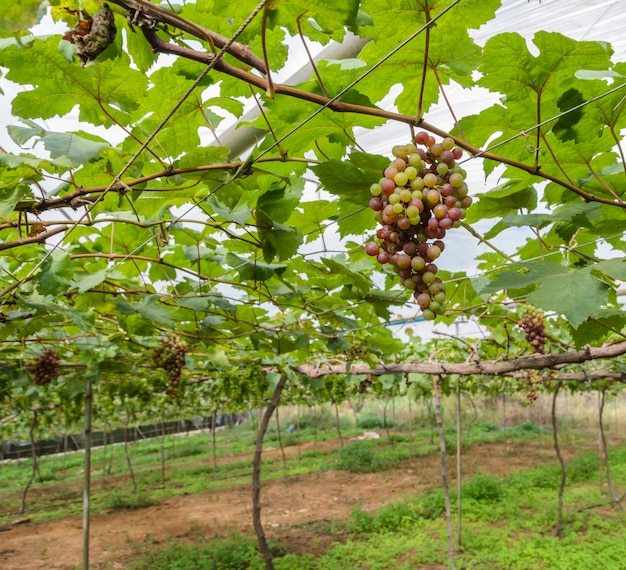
point(371, 248)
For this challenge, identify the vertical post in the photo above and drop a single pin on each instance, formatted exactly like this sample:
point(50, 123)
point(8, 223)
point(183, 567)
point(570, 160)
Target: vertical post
point(87, 482)
point(458, 460)
point(559, 523)
point(444, 473)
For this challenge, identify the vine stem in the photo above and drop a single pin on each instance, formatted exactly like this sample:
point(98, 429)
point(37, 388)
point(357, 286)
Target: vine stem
point(31, 433)
point(256, 473)
point(87, 475)
point(605, 453)
point(420, 103)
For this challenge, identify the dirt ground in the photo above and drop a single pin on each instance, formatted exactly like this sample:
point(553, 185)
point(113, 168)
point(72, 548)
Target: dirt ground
point(291, 507)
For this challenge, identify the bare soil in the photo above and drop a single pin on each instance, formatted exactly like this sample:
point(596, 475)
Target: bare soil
point(296, 510)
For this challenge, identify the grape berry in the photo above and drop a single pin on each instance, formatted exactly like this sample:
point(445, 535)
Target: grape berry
point(170, 356)
point(421, 195)
point(45, 368)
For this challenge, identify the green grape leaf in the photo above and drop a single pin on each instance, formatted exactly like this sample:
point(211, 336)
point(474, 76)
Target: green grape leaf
point(614, 268)
point(512, 195)
point(350, 180)
point(253, 270)
point(276, 239)
point(598, 328)
point(73, 147)
point(577, 295)
point(56, 273)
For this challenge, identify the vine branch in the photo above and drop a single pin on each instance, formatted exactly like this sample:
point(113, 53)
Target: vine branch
point(486, 368)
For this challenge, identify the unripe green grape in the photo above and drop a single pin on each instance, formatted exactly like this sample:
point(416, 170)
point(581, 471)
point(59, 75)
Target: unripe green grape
point(416, 161)
point(436, 149)
point(400, 179)
point(447, 143)
point(376, 189)
point(405, 195)
point(411, 172)
point(417, 183)
point(440, 297)
point(428, 277)
point(412, 212)
point(418, 263)
point(428, 315)
point(442, 168)
point(456, 179)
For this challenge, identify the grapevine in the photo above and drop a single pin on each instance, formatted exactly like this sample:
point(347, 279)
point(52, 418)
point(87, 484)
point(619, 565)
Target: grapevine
point(170, 356)
point(421, 195)
point(45, 368)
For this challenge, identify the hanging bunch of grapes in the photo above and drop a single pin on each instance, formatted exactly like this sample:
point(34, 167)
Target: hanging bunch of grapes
point(532, 323)
point(421, 195)
point(170, 356)
point(336, 388)
point(45, 368)
point(533, 326)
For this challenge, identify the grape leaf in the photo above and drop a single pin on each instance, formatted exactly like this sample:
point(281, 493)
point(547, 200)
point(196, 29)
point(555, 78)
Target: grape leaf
point(615, 268)
point(512, 195)
point(276, 239)
point(347, 180)
point(253, 270)
point(577, 295)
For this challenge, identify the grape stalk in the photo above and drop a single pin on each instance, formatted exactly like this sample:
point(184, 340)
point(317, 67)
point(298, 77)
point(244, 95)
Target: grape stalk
point(421, 195)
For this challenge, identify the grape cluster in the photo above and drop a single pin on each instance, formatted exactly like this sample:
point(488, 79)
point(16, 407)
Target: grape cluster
point(533, 381)
point(533, 326)
point(170, 356)
point(45, 368)
point(421, 195)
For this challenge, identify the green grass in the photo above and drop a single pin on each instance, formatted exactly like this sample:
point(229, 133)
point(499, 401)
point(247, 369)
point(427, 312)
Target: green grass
point(233, 553)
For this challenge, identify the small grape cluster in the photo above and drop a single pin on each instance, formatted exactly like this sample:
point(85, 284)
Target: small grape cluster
point(533, 326)
point(421, 195)
point(534, 379)
point(170, 356)
point(532, 323)
point(45, 368)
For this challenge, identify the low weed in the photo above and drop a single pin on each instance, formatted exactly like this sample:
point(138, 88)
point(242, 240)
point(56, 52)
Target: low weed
point(233, 553)
point(189, 449)
point(398, 515)
point(363, 457)
point(118, 501)
point(376, 422)
point(483, 489)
